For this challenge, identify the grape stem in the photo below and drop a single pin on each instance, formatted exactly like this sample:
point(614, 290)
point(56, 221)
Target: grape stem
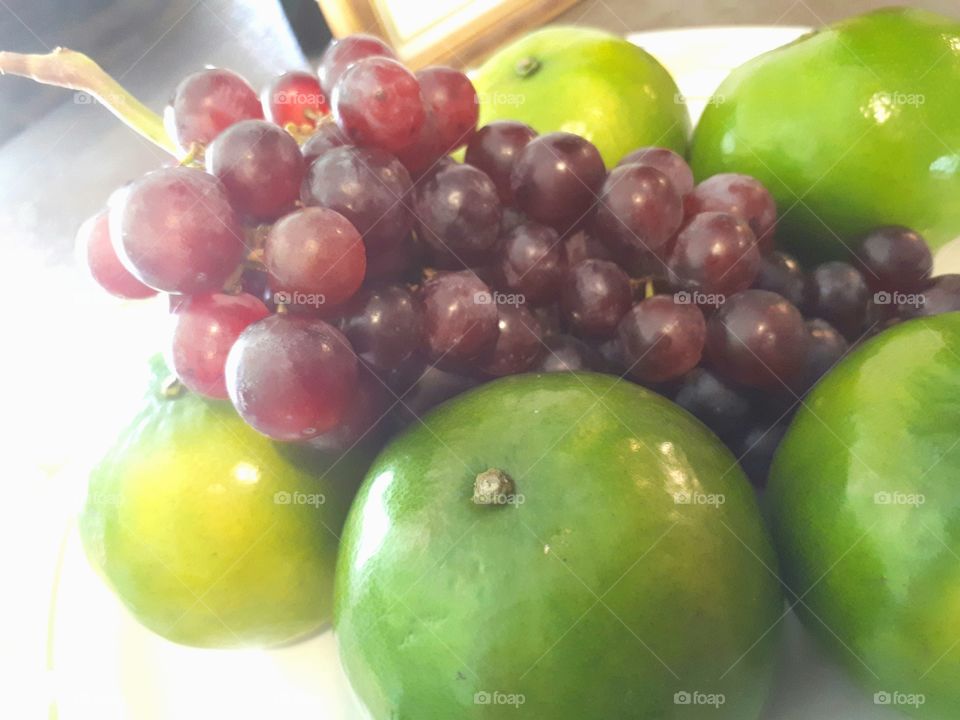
point(76, 71)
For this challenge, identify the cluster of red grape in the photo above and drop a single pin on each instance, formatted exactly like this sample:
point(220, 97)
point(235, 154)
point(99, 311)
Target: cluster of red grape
point(332, 261)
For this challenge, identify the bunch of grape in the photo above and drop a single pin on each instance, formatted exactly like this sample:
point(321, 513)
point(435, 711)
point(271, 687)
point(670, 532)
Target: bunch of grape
point(331, 265)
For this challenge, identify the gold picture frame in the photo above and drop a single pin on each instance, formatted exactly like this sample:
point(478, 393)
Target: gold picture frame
point(450, 32)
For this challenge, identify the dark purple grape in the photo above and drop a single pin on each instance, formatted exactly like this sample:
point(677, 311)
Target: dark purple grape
point(756, 450)
point(612, 354)
point(518, 345)
point(838, 293)
point(714, 402)
point(716, 253)
point(401, 260)
point(260, 166)
point(894, 259)
point(666, 161)
point(825, 347)
point(661, 339)
point(565, 353)
point(531, 262)
point(758, 339)
point(595, 296)
point(433, 387)
point(458, 212)
point(739, 195)
point(365, 185)
point(782, 274)
point(326, 137)
point(638, 209)
point(459, 316)
point(384, 325)
point(556, 179)
point(940, 295)
point(494, 149)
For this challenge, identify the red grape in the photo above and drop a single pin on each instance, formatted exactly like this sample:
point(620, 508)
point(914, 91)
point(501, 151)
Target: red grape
point(315, 254)
point(556, 178)
point(294, 97)
point(205, 329)
point(740, 195)
point(667, 162)
point(581, 245)
point(96, 249)
point(531, 262)
point(894, 259)
point(596, 295)
point(782, 274)
point(291, 377)
point(758, 339)
point(361, 419)
point(715, 253)
point(378, 103)
point(518, 346)
point(838, 293)
point(661, 339)
point(454, 102)
point(494, 149)
point(384, 325)
point(343, 53)
point(326, 137)
point(460, 317)
point(208, 102)
point(176, 231)
point(260, 166)
point(426, 151)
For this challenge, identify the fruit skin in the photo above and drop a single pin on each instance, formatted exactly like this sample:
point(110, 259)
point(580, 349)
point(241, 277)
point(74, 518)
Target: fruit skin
point(184, 519)
point(883, 577)
point(856, 119)
point(439, 599)
point(590, 83)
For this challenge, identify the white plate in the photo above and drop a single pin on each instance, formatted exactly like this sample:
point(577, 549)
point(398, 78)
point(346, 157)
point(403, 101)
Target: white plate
point(105, 666)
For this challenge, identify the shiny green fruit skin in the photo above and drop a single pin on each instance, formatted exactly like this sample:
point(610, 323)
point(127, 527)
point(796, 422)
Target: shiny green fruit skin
point(850, 127)
point(600, 596)
point(587, 82)
point(865, 506)
point(211, 534)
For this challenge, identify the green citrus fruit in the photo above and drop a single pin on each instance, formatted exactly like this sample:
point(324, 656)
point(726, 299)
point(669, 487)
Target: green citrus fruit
point(850, 127)
point(866, 514)
point(586, 82)
point(561, 546)
point(211, 534)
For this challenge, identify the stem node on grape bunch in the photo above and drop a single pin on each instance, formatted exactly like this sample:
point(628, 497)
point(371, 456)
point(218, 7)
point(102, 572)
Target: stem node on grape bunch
point(75, 71)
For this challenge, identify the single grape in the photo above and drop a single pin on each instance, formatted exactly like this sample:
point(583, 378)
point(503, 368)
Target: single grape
point(365, 185)
point(758, 339)
point(378, 103)
point(260, 166)
point(205, 328)
point(638, 209)
point(343, 53)
point(384, 325)
point(716, 253)
point(459, 316)
point(714, 402)
point(595, 296)
point(255, 281)
point(291, 377)
point(295, 97)
point(494, 149)
point(208, 102)
point(556, 179)
point(581, 245)
point(453, 100)
point(314, 257)
point(458, 212)
point(940, 295)
point(740, 195)
point(782, 274)
point(176, 231)
point(837, 292)
point(894, 259)
point(518, 346)
point(565, 353)
point(427, 151)
point(362, 419)
point(825, 348)
point(531, 262)
point(666, 161)
point(614, 359)
point(96, 249)
point(756, 450)
point(326, 137)
point(661, 339)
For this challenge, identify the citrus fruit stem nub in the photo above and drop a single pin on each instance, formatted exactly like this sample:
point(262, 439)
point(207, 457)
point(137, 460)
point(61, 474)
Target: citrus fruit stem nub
point(492, 487)
point(527, 66)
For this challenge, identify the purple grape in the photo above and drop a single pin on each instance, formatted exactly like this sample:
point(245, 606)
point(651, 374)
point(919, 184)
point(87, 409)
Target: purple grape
point(459, 316)
point(661, 339)
point(595, 296)
point(666, 161)
point(531, 262)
